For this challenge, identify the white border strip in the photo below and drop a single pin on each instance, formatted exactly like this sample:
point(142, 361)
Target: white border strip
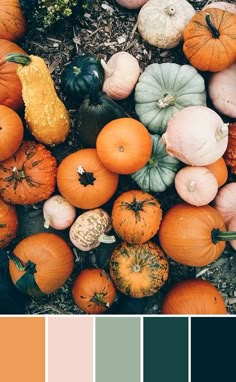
point(189, 349)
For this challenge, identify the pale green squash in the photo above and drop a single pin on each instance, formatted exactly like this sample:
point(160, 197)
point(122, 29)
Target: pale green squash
point(165, 88)
point(159, 173)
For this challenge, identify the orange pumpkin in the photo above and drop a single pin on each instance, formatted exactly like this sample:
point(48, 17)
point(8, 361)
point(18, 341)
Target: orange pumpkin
point(136, 216)
point(124, 145)
point(8, 223)
point(193, 236)
point(29, 176)
point(138, 270)
point(219, 169)
point(84, 181)
point(11, 132)
point(230, 153)
point(13, 24)
point(10, 84)
point(93, 291)
point(193, 297)
point(209, 40)
point(41, 263)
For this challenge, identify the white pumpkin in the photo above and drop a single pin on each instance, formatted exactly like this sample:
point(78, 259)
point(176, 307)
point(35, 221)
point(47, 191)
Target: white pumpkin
point(161, 22)
point(122, 71)
point(58, 213)
point(131, 4)
point(90, 228)
point(229, 7)
point(222, 91)
point(196, 135)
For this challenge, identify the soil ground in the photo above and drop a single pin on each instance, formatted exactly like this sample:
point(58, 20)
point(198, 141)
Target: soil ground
point(104, 28)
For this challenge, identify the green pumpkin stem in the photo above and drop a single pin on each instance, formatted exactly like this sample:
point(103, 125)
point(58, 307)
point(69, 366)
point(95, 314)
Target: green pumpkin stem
point(98, 299)
point(211, 26)
point(18, 174)
point(17, 262)
point(217, 235)
point(85, 178)
point(18, 58)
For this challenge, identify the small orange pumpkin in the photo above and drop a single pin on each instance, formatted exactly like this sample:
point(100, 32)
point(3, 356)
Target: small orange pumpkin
point(93, 291)
point(193, 297)
point(209, 40)
point(29, 176)
point(193, 236)
point(124, 145)
point(136, 216)
point(11, 132)
point(138, 270)
point(41, 264)
point(8, 223)
point(13, 24)
point(10, 84)
point(84, 181)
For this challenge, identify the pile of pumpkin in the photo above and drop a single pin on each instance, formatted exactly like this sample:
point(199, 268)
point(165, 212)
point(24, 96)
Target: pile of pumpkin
point(176, 139)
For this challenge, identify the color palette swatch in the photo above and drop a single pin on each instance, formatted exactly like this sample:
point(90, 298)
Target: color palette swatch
point(115, 348)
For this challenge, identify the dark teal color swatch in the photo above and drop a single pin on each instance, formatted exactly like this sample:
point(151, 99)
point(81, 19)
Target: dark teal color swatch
point(117, 349)
point(165, 349)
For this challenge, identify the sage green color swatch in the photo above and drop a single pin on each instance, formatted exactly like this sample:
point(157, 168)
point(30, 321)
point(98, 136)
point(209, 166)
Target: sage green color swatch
point(117, 349)
point(165, 349)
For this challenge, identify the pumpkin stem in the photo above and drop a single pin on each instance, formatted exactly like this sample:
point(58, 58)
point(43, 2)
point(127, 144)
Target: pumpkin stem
point(217, 235)
point(166, 101)
point(85, 178)
point(18, 263)
point(108, 71)
point(192, 186)
point(214, 31)
point(103, 238)
point(18, 174)
point(76, 70)
point(18, 58)
point(221, 132)
point(47, 222)
point(136, 268)
point(98, 298)
point(170, 10)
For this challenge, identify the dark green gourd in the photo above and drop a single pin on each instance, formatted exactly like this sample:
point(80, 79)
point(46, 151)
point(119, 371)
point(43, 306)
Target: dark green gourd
point(95, 112)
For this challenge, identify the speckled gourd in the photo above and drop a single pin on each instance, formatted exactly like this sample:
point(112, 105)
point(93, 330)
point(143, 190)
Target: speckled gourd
point(90, 228)
point(45, 114)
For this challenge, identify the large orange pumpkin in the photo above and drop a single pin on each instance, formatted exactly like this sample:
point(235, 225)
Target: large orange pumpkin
point(136, 216)
point(11, 132)
point(41, 263)
point(10, 84)
point(193, 236)
point(124, 145)
point(138, 270)
point(193, 297)
point(12, 20)
point(84, 181)
point(8, 223)
point(93, 291)
point(29, 176)
point(209, 40)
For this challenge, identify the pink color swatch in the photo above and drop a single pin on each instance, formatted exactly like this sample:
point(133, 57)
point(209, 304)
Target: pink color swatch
point(70, 349)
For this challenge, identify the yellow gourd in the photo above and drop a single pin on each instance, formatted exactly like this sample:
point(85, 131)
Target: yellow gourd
point(45, 114)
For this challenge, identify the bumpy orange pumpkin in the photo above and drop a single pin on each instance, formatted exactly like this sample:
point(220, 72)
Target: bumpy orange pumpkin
point(11, 132)
point(193, 297)
point(8, 223)
point(230, 153)
point(138, 270)
point(209, 40)
point(93, 291)
point(84, 181)
point(10, 84)
point(41, 263)
point(13, 24)
point(29, 176)
point(136, 216)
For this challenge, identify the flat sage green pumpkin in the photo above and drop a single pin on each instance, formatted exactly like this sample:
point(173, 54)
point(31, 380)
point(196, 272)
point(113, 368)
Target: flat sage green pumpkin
point(165, 88)
point(159, 173)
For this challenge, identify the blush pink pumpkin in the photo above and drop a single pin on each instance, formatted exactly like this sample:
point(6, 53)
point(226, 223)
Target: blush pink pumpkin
point(225, 201)
point(131, 4)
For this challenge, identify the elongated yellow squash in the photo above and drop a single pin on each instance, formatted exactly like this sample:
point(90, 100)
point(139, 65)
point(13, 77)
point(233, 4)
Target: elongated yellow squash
point(45, 114)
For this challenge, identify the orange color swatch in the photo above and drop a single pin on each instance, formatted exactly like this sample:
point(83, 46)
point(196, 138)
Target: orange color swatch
point(22, 349)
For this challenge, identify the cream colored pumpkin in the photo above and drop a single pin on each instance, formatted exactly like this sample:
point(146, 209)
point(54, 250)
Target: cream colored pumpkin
point(88, 230)
point(196, 185)
point(122, 71)
point(131, 4)
point(161, 22)
point(222, 91)
point(229, 7)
